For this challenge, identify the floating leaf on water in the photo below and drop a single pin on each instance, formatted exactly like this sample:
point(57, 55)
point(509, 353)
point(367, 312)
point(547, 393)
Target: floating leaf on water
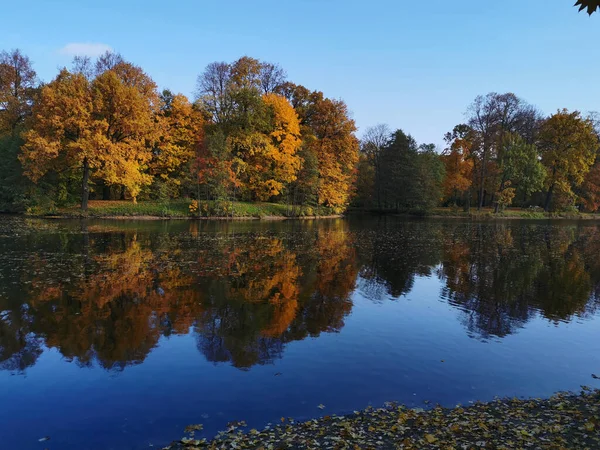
point(430, 438)
point(193, 427)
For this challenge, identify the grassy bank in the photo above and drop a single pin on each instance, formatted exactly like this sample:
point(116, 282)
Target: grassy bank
point(511, 213)
point(483, 214)
point(181, 209)
point(565, 421)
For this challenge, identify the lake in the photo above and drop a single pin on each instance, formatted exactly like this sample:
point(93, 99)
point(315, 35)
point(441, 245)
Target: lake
point(118, 334)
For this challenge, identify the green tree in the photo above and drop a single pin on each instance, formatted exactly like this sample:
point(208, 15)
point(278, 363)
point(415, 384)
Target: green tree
point(372, 145)
point(491, 117)
point(520, 169)
point(429, 177)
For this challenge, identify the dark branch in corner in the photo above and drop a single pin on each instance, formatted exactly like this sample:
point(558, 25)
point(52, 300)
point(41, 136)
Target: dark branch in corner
point(590, 5)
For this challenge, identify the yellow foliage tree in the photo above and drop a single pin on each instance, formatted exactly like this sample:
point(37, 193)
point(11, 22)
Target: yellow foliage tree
point(181, 133)
point(105, 126)
point(271, 158)
point(569, 147)
point(62, 129)
point(337, 150)
point(125, 112)
point(285, 140)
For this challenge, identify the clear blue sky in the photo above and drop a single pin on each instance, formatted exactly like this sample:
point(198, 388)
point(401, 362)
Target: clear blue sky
point(394, 62)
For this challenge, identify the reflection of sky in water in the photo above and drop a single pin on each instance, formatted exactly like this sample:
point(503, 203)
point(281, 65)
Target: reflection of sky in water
point(410, 349)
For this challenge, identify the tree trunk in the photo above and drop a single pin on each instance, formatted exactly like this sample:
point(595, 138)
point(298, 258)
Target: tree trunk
point(105, 192)
point(549, 198)
point(482, 181)
point(497, 205)
point(85, 190)
point(378, 184)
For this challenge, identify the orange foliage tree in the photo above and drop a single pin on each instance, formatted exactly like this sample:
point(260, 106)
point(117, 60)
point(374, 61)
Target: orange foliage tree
point(458, 163)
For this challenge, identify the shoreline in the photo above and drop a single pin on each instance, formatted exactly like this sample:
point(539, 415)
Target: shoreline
point(477, 218)
point(565, 420)
point(151, 217)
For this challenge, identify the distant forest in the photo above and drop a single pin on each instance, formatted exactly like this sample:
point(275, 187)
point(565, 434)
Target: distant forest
point(101, 129)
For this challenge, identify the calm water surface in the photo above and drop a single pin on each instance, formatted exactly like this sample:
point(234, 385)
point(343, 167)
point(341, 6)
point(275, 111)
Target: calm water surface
point(116, 335)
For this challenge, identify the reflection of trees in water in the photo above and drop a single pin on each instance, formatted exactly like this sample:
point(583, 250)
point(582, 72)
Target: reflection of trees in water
point(19, 348)
point(116, 306)
point(394, 253)
point(107, 298)
point(263, 296)
point(500, 276)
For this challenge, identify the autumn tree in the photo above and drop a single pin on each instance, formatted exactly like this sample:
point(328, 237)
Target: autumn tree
point(329, 140)
point(255, 135)
point(125, 105)
point(304, 190)
point(105, 126)
point(458, 162)
point(569, 147)
point(491, 117)
point(18, 89)
point(60, 134)
point(18, 85)
point(283, 161)
point(225, 89)
point(589, 191)
point(180, 138)
point(336, 148)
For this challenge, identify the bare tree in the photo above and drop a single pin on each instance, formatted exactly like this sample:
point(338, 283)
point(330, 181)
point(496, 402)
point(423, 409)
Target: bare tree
point(272, 76)
point(375, 139)
point(108, 61)
point(18, 82)
point(483, 119)
point(493, 116)
point(83, 65)
point(213, 90)
point(594, 118)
